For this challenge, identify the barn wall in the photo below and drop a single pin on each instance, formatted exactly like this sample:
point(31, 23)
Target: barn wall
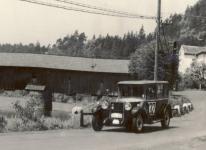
point(62, 81)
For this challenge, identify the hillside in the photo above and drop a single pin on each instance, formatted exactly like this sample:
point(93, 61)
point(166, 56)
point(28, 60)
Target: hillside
point(189, 28)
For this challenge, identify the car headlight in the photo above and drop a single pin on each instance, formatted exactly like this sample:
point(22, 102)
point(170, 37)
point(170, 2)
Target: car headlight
point(105, 105)
point(128, 106)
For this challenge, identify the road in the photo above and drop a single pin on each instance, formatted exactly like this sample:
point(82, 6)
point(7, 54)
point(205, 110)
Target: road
point(186, 133)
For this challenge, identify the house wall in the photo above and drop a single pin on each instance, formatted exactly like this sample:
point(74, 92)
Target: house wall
point(69, 82)
point(184, 61)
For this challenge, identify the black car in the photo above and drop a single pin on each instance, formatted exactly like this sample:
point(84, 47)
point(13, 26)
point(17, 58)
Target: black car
point(138, 103)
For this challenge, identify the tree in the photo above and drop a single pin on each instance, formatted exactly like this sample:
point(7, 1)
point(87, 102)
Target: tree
point(142, 64)
point(197, 73)
point(142, 35)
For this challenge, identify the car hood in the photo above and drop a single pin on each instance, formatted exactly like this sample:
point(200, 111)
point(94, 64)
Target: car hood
point(130, 99)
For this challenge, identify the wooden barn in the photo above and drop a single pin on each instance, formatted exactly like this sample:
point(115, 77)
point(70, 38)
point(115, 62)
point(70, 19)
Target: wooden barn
point(69, 75)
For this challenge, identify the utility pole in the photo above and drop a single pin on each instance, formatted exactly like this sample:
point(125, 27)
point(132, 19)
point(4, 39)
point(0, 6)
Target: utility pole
point(158, 40)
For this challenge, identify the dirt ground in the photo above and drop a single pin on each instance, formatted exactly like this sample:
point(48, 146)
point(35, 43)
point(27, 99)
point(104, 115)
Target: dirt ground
point(185, 133)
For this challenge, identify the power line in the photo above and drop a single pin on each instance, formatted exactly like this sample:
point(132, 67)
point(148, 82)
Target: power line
point(189, 16)
point(105, 9)
point(81, 10)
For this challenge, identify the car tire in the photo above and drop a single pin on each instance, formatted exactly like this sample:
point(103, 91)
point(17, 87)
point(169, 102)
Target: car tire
point(138, 124)
point(129, 126)
point(97, 124)
point(165, 122)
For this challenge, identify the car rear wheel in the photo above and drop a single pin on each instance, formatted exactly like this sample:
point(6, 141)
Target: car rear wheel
point(166, 119)
point(138, 123)
point(97, 123)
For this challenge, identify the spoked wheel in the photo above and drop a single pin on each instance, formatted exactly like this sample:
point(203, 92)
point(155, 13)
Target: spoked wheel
point(165, 122)
point(97, 123)
point(138, 123)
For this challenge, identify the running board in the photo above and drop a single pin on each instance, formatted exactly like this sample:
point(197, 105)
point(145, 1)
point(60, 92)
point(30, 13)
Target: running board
point(156, 121)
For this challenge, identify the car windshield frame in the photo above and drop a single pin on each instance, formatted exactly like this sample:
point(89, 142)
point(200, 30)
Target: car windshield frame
point(146, 90)
point(129, 90)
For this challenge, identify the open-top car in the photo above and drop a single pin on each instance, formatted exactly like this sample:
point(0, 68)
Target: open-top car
point(138, 103)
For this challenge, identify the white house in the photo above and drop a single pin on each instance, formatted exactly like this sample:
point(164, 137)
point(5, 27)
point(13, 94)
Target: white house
point(189, 53)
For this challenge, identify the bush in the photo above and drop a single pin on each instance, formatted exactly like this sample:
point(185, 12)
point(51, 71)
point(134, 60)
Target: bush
point(54, 123)
point(32, 111)
point(17, 124)
point(44, 123)
point(30, 117)
point(16, 93)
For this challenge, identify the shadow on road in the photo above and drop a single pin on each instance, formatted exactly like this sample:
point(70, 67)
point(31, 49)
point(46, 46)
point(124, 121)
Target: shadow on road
point(147, 129)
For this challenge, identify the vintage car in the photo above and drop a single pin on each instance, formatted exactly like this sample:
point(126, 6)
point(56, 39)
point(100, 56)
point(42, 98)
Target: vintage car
point(138, 103)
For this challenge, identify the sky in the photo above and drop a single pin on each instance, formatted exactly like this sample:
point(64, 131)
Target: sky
point(28, 23)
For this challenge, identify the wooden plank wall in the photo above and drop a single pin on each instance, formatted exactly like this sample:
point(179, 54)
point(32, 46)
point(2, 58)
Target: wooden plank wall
point(69, 82)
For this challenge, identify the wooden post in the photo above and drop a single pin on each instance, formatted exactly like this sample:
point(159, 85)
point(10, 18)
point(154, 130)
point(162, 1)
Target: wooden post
point(158, 40)
point(81, 118)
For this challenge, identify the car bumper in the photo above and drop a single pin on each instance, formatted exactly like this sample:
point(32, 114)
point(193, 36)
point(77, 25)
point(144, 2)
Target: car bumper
point(117, 119)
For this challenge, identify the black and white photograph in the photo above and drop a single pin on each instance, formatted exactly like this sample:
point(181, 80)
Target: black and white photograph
point(103, 74)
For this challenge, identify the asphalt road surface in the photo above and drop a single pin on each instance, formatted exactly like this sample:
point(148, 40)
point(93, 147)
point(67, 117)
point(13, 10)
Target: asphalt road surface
point(185, 133)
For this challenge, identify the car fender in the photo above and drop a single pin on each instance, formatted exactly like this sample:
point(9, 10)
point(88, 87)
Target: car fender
point(135, 111)
point(96, 110)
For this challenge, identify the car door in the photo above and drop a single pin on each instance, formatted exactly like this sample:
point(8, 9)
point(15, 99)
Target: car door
point(151, 103)
point(162, 98)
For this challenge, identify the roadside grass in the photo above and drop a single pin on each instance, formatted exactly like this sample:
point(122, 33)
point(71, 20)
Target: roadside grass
point(23, 116)
point(7, 113)
point(17, 119)
point(62, 115)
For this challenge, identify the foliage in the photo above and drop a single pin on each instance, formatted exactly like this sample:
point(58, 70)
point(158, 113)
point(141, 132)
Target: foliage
point(30, 117)
point(3, 123)
point(17, 124)
point(101, 47)
point(196, 74)
point(44, 123)
point(185, 29)
point(15, 93)
point(188, 29)
point(32, 110)
point(142, 63)
point(77, 44)
point(49, 123)
point(20, 48)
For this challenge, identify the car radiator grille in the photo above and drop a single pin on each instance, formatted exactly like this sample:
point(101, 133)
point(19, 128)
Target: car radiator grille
point(117, 107)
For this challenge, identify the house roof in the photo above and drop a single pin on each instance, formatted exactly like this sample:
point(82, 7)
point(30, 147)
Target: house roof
point(64, 62)
point(193, 50)
point(142, 82)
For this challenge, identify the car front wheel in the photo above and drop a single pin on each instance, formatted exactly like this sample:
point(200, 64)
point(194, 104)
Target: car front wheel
point(138, 123)
point(166, 119)
point(97, 123)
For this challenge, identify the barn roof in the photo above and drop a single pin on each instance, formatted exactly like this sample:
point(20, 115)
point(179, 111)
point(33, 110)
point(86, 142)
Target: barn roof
point(64, 62)
point(193, 50)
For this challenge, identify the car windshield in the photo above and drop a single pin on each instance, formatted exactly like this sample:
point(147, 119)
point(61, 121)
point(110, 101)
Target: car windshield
point(131, 91)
